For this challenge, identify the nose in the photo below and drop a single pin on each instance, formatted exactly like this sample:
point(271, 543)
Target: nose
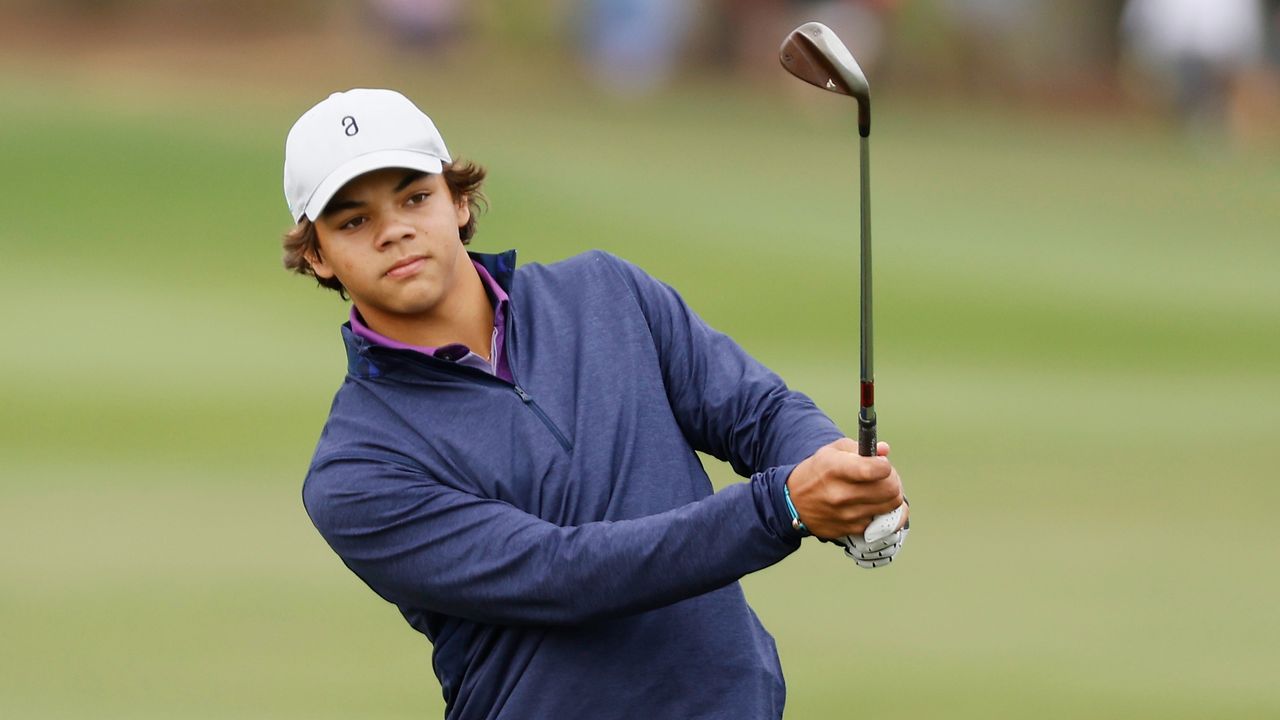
point(395, 229)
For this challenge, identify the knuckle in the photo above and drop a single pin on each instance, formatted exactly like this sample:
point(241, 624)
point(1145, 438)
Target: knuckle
point(823, 461)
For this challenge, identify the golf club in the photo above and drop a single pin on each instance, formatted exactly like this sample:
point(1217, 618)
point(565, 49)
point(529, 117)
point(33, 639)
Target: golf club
point(813, 53)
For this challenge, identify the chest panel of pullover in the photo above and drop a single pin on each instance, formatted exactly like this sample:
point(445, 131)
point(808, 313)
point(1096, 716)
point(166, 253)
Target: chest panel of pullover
point(588, 363)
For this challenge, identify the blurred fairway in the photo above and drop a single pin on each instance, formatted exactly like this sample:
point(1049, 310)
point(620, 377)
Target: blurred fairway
point(1078, 340)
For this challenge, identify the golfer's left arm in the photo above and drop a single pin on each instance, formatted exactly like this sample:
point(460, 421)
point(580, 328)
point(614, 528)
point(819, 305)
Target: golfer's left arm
point(728, 404)
point(732, 407)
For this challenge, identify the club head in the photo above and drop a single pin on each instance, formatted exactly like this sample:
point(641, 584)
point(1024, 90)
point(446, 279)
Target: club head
point(813, 53)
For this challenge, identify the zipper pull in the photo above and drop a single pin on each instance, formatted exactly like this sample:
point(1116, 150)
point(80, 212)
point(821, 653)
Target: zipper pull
point(523, 395)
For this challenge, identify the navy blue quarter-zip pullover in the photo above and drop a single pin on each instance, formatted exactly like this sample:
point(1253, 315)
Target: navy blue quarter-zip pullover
point(555, 537)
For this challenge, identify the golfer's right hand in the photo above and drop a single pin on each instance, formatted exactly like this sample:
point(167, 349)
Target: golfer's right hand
point(837, 492)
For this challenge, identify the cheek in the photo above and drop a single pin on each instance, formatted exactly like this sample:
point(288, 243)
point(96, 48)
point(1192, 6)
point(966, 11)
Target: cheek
point(344, 267)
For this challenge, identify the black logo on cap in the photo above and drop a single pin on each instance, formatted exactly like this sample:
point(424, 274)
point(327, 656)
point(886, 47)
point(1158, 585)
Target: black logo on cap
point(350, 126)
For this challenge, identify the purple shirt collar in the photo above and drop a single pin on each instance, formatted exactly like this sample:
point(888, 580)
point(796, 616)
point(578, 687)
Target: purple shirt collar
point(456, 352)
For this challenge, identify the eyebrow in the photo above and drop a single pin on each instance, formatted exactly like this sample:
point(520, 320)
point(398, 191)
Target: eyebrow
point(339, 204)
point(410, 179)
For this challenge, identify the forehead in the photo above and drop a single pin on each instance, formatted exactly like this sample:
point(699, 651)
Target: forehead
point(380, 181)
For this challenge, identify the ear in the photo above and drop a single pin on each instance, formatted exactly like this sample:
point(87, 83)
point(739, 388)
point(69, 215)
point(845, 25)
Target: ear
point(463, 210)
point(317, 263)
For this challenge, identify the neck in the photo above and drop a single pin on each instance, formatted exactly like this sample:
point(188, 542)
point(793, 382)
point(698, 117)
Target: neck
point(464, 315)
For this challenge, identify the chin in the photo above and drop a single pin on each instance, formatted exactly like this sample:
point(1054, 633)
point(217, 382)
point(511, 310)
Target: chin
point(416, 304)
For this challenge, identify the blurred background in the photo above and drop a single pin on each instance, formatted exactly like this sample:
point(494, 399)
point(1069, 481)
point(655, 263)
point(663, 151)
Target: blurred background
point(1078, 331)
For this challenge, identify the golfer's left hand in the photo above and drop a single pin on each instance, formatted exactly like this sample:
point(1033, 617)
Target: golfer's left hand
point(875, 554)
point(875, 548)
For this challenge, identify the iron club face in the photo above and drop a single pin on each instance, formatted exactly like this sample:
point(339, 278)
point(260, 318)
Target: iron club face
point(813, 53)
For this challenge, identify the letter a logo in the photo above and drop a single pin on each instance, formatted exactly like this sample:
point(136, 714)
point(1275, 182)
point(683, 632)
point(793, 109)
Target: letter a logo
point(349, 126)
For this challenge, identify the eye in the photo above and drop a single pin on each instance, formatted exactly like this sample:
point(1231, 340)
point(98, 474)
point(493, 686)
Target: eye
point(418, 198)
point(353, 223)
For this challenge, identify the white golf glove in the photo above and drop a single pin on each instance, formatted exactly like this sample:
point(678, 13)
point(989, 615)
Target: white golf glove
point(881, 541)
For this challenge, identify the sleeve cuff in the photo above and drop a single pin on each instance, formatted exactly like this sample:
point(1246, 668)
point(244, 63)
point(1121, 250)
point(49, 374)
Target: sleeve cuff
point(773, 504)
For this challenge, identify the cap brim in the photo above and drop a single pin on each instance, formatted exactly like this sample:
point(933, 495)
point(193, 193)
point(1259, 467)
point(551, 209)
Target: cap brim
point(357, 166)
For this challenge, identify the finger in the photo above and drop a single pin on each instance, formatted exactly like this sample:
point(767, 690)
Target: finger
point(888, 552)
point(859, 545)
point(852, 467)
point(863, 552)
point(862, 516)
point(882, 449)
point(890, 540)
point(873, 564)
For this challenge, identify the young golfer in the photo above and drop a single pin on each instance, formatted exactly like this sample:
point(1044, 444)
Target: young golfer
point(510, 458)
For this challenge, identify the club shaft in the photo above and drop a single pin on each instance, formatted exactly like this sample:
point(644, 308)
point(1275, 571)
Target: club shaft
point(867, 410)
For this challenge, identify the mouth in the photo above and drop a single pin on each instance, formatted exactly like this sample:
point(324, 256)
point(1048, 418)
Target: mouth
point(406, 267)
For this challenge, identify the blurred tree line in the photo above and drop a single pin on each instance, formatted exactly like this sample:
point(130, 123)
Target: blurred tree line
point(1046, 51)
point(1033, 41)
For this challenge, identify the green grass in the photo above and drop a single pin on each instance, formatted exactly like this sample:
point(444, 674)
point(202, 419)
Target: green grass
point(1077, 328)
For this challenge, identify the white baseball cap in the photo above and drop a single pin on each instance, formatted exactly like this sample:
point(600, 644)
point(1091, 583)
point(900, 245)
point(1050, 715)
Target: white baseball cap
point(351, 133)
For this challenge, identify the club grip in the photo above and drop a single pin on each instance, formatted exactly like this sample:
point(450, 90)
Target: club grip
point(866, 436)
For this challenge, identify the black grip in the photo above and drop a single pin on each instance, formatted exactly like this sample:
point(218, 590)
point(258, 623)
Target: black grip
point(866, 437)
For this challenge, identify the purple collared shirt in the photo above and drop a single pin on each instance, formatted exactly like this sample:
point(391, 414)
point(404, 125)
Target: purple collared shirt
point(457, 352)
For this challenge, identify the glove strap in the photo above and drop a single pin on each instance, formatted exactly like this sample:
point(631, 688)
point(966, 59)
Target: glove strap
point(795, 516)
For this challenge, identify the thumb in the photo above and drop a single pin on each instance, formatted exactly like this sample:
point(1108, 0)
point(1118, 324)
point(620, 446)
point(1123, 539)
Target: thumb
point(882, 449)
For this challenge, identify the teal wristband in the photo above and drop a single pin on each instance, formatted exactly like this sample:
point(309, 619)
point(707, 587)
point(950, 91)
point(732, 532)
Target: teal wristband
point(795, 516)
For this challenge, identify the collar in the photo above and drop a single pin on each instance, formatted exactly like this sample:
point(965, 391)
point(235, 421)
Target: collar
point(501, 266)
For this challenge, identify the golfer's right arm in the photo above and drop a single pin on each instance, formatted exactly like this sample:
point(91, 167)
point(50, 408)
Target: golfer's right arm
point(419, 542)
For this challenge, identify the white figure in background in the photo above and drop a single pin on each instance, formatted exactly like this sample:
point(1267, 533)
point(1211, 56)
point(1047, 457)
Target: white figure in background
point(1198, 49)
